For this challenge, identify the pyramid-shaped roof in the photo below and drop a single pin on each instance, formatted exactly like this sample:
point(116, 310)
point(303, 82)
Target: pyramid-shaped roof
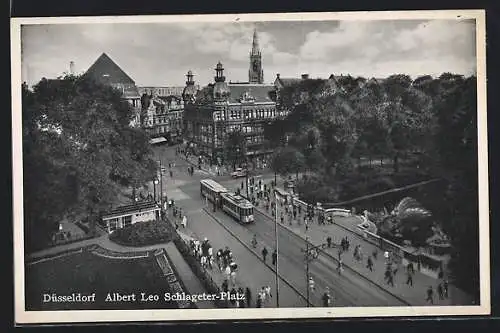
point(106, 71)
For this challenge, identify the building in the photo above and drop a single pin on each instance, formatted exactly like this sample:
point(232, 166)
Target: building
point(220, 108)
point(161, 117)
point(124, 216)
point(105, 71)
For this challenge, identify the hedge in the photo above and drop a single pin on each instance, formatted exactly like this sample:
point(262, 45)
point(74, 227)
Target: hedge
point(142, 234)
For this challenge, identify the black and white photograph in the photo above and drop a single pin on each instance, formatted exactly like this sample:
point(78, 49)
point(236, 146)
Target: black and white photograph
point(252, 166)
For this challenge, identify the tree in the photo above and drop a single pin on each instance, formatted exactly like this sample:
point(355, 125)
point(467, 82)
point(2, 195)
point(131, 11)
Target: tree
point(78, 152)
point(235, 148)
point(287, 161)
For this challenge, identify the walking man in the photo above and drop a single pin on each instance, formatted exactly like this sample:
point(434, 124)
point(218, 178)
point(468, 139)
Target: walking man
point(445, 288)
point(440, 291)
point(264, 254)
point(184, 221)
point(311, 284)
point(430, 295)
point(409, 279)
point(248, 297)
point(329, 241)
point(369, 264)
point(326, 298)
point(274, 257)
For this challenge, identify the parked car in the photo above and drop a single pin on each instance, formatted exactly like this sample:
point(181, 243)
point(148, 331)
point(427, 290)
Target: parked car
point(239, 172)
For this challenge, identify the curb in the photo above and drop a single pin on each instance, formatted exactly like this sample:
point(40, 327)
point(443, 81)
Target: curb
point(258, 256)
point(345, 265)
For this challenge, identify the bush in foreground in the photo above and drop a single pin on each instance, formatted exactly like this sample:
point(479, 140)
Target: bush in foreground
point(142, 234)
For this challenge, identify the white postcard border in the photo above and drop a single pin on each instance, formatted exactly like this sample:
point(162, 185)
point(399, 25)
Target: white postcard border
point(80, 316)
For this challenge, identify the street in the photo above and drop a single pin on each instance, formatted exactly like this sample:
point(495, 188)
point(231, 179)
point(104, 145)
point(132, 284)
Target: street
point(347, 289)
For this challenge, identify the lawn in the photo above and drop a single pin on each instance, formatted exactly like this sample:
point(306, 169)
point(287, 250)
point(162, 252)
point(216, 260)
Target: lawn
point(87, 273)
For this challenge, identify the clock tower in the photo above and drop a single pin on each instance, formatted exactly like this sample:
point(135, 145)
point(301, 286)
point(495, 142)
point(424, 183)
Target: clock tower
point(255, 74)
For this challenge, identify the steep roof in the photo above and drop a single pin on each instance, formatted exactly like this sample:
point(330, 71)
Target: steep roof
point(259, 92)
point(106, 71)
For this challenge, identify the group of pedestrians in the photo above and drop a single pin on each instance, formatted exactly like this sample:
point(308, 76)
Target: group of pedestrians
point(203, 252)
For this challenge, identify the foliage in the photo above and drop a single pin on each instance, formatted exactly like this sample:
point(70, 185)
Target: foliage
point(142, 234)
point(235, 148)
point(422, 128)
point(78, 152)
point(287, 161)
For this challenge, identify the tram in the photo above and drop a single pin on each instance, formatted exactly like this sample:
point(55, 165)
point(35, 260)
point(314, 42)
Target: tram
point(211, 190)
point(238, 207)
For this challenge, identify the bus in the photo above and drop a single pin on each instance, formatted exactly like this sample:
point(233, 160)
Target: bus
point(211, 190)
point(238, 207)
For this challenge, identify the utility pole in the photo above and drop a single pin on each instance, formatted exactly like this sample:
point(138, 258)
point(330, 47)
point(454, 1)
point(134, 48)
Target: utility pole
point(307, 266)
point(277, 250)
point(161, 186)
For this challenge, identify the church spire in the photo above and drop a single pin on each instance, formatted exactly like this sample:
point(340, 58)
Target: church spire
point(255, 43)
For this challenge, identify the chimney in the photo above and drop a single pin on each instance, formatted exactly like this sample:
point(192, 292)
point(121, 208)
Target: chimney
point(71, 68)
point(305, 76)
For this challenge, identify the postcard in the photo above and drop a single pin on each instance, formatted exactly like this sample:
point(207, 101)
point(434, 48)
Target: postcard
point(250, 166)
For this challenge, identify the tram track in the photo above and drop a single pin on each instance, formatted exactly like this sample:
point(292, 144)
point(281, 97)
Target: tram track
point(325, 254)
point(282, 278)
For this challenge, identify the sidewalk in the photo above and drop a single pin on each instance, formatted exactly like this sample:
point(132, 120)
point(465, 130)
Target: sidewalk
point(317, 235)
point(190, 281)
point(251, 272)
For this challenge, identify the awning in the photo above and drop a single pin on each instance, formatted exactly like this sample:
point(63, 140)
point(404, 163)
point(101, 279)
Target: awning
point(157, 140)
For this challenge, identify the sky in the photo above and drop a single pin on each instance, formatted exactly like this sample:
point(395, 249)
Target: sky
point(160, 54)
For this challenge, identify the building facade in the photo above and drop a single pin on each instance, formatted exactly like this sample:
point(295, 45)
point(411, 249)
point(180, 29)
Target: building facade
point(162, 116)
point(105, 71)
point(221, 108)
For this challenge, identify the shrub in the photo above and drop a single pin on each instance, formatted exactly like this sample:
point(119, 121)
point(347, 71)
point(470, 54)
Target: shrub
point(142, 233)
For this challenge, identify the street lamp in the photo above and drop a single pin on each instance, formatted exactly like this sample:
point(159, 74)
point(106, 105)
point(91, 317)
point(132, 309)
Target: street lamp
point(155, 182)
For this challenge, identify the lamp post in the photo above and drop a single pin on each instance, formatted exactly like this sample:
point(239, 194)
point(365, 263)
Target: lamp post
point(155, 182)
point(277, 249)
point(161, 184)
point(307, 264)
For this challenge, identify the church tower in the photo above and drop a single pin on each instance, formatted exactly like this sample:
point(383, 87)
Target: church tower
point(256, 73)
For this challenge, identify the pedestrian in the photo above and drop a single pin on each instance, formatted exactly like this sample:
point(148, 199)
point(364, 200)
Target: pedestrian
point(430, 295)
point(326, 298)
point(233, 296)
point(410, 268)
point(258, 304)
point(445, 288)
point(267, 290)
point(233, 278)
point(227, 271)
point(184, 221)
point(311, 284)
point(409, 279)
point(274, 257)
point(264, 254)
point(440, 291)
point(369, 264)
point(248, 297)
point(241, 293)
point(386, 256)
point(225, 286)
point(219, 259)
point(391, 280)
point(340, 267)
point(203, 261)
point(329, 241)
point(262, 294)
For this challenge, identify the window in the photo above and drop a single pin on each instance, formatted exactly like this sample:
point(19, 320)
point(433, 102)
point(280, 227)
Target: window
point(127, 220)
point(113, 224)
